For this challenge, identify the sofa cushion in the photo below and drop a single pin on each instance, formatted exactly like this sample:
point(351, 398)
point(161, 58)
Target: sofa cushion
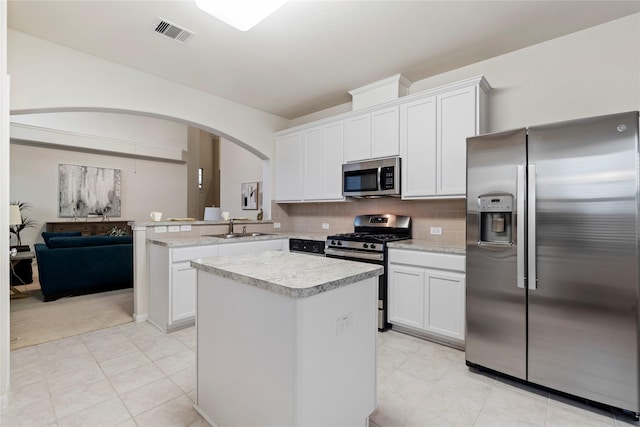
point(47, 235)
point(77, 241)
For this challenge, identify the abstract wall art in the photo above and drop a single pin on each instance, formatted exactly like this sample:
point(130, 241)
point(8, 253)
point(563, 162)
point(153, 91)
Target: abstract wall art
point(87, 190)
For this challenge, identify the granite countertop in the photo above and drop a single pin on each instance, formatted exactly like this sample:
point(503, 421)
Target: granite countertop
point(427, 246)
point(290, 274)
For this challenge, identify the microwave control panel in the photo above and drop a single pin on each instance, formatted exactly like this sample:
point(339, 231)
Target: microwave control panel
point(386, 178)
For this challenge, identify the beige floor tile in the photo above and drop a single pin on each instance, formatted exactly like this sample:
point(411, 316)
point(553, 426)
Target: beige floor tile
point(82, 397)
point(125, 362)
point(151, 395)
point(491, 417)
point(135, 378)
point(109, 413)
point(185, 379)
point(65, 381)
point(177, 362)
point(176, 412)
point(104, 352)
point(26, 416)
point(25, 395)
point(164, 348)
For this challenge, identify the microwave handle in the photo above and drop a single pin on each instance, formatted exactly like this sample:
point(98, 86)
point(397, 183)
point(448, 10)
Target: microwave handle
point(379, 172)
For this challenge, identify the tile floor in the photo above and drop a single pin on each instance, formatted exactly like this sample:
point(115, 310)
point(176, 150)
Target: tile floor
point(134, 375)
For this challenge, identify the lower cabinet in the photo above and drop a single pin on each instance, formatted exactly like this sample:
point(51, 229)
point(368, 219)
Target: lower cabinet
point(427, 293)
point(172, 291)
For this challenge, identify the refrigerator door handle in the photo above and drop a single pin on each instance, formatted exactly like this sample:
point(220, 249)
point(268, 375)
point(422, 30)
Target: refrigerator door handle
point(520, 224)
point(531, 226)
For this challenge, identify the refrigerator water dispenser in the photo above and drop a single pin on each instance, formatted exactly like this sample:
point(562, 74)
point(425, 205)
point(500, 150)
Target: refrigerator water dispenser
point(496, 218)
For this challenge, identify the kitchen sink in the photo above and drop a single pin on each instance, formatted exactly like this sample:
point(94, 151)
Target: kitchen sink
point(236, 235)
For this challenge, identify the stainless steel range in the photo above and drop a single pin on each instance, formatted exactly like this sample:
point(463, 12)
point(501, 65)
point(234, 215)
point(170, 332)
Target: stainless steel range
point(368, 243)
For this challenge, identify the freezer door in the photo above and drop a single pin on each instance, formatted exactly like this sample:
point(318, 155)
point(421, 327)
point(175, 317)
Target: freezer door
point(583, 312)
point(495, 305)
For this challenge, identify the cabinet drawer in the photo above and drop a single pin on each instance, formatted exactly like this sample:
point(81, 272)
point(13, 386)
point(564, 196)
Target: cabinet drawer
point(435, 260)
point(186, 254)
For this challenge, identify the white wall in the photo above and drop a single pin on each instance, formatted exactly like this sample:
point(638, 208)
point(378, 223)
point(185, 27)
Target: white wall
point(237, 165)
point(49, 77)
point(591, 72)
point(146, 185)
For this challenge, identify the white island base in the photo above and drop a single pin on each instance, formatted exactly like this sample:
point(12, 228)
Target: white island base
point(268, 359)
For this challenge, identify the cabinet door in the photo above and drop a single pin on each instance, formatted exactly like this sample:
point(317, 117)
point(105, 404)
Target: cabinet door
point(183, 291)
point(332, 159)
point(385, 132)
point(457, 120)
point(406, 296)
point(357, 137)
point(418, 142)
point(445, 304)
point(313, 168)
point(288, 167)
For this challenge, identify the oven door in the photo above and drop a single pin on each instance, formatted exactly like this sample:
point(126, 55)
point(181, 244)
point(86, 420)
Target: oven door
point(369, 258)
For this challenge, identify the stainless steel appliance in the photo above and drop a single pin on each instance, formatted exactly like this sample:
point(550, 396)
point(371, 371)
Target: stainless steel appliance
point(372, 178)
point(368, 243)
point(307, 246)
point(552, 257)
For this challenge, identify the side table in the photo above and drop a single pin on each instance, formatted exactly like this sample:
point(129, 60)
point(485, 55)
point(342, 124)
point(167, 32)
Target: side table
point(16, 293)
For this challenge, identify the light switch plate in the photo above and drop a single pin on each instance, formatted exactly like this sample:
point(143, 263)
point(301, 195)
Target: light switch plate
point(276, 225)
point(174, 228)
point(437, 231)
point(186, 227)
point(160, 229)
point(325, 226)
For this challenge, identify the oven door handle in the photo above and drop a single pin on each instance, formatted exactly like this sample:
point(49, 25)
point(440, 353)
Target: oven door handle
point(374, 256)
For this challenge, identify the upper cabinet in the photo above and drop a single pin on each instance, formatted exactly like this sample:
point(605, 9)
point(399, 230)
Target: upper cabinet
point(428, 130)
point(289, 167)
point(433, 138)
point(309, 164)
point(372, 135)
point(322, 158)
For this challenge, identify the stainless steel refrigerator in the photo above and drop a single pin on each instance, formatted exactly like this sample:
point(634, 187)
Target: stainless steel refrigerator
point(553, 259)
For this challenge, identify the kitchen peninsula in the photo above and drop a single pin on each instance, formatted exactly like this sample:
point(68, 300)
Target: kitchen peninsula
point(285, 339)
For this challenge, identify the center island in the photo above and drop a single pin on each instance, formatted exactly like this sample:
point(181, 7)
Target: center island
point(286, 339)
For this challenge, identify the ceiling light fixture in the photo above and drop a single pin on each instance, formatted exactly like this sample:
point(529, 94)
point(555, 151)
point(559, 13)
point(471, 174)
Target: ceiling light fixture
point(241, 14)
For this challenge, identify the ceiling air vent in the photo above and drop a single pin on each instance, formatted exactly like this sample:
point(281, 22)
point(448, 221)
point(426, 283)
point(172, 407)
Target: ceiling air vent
point(172, 31)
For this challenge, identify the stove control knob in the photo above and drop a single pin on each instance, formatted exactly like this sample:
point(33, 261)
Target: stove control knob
point(339, 243)
point(333, 242)
point(373, 246)
point(365, 246)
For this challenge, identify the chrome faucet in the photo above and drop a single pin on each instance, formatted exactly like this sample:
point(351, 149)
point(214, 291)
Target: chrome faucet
point(231, 226)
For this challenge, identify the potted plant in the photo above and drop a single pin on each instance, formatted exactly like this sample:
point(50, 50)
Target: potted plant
point(22, 270)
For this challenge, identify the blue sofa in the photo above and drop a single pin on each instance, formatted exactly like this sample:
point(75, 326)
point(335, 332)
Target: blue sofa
point(71, 264)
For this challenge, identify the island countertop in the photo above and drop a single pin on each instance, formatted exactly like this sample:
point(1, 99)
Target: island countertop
point(290, 274)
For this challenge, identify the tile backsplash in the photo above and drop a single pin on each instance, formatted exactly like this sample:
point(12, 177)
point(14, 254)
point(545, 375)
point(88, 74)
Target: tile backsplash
point(449, 214)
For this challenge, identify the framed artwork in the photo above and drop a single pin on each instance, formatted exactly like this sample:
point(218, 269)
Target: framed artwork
point(87, 190)
point(249, 195)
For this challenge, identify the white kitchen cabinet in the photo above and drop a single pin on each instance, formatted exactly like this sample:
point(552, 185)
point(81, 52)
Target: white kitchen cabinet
point(433, 138)
point(288, 169)
point(418, 137)
point(172, 284)
point(427, 294)
point(172, 292)
point(372, 135)
point(323, 155)
point(457, 120)
point(406, 295)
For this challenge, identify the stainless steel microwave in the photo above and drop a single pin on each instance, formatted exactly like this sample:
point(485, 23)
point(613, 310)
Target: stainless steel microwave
point(371, 178)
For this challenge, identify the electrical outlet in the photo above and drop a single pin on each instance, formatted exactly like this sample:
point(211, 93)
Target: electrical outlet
point(325, 226)
point(160, 229)
point(343, 323)
point(276, 225)
point(186, 227)
point(437, 231)
point(174, 228)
